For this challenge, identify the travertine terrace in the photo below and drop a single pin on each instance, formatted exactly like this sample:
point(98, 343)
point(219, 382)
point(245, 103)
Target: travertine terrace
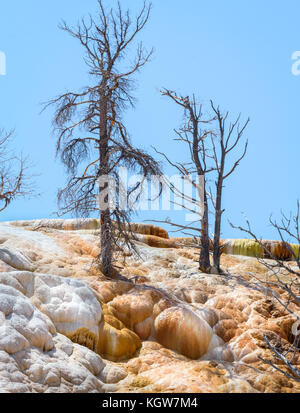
point(159, 326)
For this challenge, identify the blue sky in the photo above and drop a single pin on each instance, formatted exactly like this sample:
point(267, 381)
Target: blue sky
point(236, 53)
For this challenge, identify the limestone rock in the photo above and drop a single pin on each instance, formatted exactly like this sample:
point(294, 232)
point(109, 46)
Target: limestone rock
point(33, 356)
point(252, 248)
point(151, 230)
point(164, 326)
point(148, 312)
point(116, 342)
point(70, 304)
point(155, 241)
point(16, 259)
point(184, 331)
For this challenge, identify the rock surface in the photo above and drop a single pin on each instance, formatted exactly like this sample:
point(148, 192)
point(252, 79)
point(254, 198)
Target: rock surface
point(271, 249)
point(34, 357)
point(162, 327)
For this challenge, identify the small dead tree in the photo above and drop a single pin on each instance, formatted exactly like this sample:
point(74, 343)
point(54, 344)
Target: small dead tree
point(283, 285)
point(92, 139)
point(195, 138)
point(224, 140)
point(209, 151)
point(14, 181)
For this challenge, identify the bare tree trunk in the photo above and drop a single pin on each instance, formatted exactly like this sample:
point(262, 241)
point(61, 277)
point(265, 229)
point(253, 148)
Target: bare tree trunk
point(106, 243)
point(225, 143)
point(218, 219)
point(204, 262)
point(195, 138)
point(216, 242)
point(106, 253)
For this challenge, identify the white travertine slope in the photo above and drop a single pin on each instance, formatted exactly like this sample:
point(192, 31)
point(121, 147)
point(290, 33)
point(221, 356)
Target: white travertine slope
point(33, 356)
point(70, 304)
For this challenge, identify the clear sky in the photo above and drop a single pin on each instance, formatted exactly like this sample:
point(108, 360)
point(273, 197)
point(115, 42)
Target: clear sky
point(237, 53)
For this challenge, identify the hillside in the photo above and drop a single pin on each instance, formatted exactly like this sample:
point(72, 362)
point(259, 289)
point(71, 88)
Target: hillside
point(159, 326)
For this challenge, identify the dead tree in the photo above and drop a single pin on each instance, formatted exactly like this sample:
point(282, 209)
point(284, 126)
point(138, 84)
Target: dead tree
point(224, 140)
point(92, 139)
point(209, 151)
point(283, 285)
point(195, 138)
point(14, 180)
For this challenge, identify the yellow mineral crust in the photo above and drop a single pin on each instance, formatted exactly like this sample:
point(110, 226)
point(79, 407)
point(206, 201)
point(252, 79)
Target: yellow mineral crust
point(116, 342)
point(252, 248)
